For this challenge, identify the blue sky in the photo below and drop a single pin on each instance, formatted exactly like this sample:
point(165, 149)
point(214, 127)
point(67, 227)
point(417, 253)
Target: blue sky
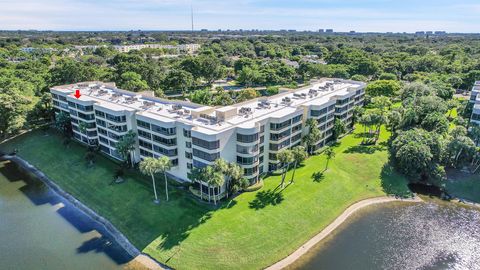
point(360, 15)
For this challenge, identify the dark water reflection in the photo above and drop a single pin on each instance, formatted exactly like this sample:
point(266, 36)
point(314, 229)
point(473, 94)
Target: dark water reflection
point(432, 235)
point(40, 230)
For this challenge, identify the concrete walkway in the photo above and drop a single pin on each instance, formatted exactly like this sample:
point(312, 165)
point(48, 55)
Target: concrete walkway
point(330, 228)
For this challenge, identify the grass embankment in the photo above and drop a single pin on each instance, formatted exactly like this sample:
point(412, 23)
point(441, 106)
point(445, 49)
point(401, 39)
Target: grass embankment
point(251, 231)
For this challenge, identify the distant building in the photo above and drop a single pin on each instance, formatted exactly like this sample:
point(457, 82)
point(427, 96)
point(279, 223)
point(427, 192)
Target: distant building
point(475, 99)
point(420, 33)
point(429, 32)
point(35, 49)
point(329, 31)
point(440, 32)
point(187, 48)
point(321, 30)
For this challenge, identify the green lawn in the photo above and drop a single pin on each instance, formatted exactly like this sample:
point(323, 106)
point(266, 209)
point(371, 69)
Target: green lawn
point(251, 231)
point(467, 187)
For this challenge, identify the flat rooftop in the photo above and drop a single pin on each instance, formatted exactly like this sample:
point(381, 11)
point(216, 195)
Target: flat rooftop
point(205, 118)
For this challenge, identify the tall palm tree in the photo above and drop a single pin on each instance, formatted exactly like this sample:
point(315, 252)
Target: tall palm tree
point(150, 166)
point(285, 157)
point(221, 166)
point(330, 154)
point(299, 155)
point(208, 175)
point(217, 180)
point(164, 166)
point(314, 135)
point(235, 174)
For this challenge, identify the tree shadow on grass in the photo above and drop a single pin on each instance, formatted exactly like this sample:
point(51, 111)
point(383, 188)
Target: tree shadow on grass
point(318, 176)
point(366, 149)
point(265, 198)
point(393, 183)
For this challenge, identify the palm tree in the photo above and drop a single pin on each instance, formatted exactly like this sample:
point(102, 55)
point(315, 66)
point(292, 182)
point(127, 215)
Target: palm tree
point(221, 166)
point(313, 136)
point(125, 145)
point(235, 173)
point(151, 166)
point(217, 181)
point(299, 155)
point(285, 157)
point(330, 154)
point(208, 175)
point(165, 165)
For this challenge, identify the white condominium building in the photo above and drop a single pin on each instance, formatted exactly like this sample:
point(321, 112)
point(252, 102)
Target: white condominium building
point(192, 135)
point(475, 99)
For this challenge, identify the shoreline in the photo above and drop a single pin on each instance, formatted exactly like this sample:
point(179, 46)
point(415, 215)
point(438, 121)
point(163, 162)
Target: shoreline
point(144, 259)
point(303, 249)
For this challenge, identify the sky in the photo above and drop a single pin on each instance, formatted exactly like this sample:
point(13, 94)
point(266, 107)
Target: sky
point(346, 15)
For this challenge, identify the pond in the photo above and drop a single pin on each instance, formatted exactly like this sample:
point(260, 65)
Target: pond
point(41, 230)
point(429, 235)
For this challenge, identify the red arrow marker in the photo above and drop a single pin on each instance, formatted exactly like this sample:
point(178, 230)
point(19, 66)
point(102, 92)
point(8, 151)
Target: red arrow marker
point(77, 93)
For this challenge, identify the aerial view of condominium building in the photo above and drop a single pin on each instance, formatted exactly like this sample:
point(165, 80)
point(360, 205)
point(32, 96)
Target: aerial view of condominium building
point(193, 135)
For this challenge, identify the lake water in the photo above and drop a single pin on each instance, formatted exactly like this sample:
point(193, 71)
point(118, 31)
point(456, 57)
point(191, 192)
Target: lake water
point(40, 230)
point(430, 235)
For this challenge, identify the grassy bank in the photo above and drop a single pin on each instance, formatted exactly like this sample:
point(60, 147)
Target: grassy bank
point(251, 231)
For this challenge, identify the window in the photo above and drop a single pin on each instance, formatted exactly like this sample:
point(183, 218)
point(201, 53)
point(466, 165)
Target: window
point(174, 162)
point(145, 144)
point(143, 124)
point(279, 136)
point(318, 112)
point(145, 153)
point(99, 113)
point(114, 118)
point(247, 160)
point(276, 147)
point(121, 128)
point(206, 144)
point(188, 144)
point(296, 137)
point(205, 156)
point(62, 98)
point(102, 131)
point(247, 149)
point(250, 171)
point(86, 116)
point(100, 122)
point(164, 141)
point(164, 130)
point(103, 139)
point(187, 133)
point(247, 138)
point(188, 155)
point(88, 108)
point(297, 118)
point(54, 96)
point(71, 104)
point(199, 164)
point(189, 165)
point(165, 152)
point(297, 128)
point(262, 129)
point(278, 126)
point(144, 134)
point(105, 149)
